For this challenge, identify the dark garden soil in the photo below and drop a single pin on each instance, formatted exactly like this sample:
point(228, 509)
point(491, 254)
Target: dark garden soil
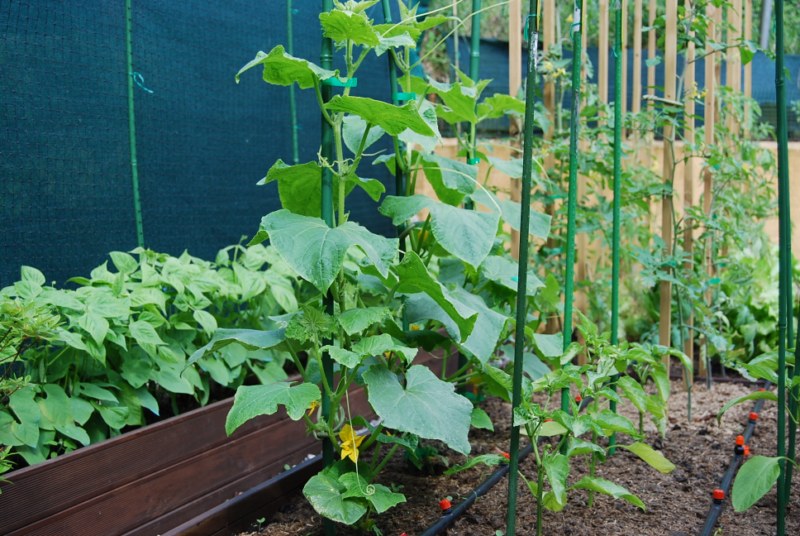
point(677, 503)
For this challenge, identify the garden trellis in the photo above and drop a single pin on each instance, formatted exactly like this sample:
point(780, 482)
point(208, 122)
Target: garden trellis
point(401, 288)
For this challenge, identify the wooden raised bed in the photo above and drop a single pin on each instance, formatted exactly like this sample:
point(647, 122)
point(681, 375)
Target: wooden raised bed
point(151, 480)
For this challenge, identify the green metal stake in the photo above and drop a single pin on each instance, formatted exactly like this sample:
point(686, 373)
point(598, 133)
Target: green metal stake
point(522, 272)
point(785, 259)
point(137, 202)
point(474, 73)
point(292, 101)
point(326, 62)
point(615, 236)
point(475, 40)
point(572, 198)
point(399, 179)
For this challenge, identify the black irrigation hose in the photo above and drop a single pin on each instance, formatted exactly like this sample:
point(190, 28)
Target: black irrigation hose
point(450, 515)
point(738, 456)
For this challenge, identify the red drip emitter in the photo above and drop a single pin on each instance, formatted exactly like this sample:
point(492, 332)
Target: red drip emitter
point(718, 495)
point(753, 416)
point(739, 449)
point(445, 505)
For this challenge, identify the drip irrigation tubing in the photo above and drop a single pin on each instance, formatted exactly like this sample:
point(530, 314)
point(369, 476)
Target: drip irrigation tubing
point(449, 516)
point(718, 501)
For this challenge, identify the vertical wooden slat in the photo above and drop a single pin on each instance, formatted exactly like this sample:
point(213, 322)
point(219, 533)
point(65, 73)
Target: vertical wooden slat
point(688, 183)
point(748, 69)
point(624, 56)
point(709, 117)
point(670, 71)
point(514, 83)
point(733, 73)
point(602, 51)
point(651, 91)
point(636, 103)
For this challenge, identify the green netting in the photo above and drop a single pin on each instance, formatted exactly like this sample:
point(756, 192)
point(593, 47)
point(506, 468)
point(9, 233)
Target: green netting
point(66, 195)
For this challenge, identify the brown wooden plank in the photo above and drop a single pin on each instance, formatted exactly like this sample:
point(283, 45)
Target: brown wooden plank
point(670, 74)
point(688, 183)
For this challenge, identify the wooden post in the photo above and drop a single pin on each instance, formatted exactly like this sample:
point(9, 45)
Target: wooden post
point(549, 100)
point(733, 78)
point(636, 104)
point(670, 72)
point(514, 83)
point(602, 51)
point(748, 69)
point(688, 184)
point(651, 91)
point(624, 57)
point(709, 118)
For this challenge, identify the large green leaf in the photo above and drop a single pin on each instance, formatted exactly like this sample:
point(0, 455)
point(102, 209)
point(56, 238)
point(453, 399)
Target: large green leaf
point(378, 344)
point(144, 333)
point(415, 278)
point(344, 25)
point(317, 252)
point(600, 485)
point(284, 69)
point(511, 212)
point(381, 497)
point(359, 319)
point(253, 400)
point(556, 467)
point(652, 457)
point(754, 479)
point(426, 406)
point(755, 395)
point(326, 495)
point(392, 119)
point(252, 339)
point(633, 391)
point(466, 234)
point(613, 422)
point(505, 272)
point(451, 179)
point(299, 186)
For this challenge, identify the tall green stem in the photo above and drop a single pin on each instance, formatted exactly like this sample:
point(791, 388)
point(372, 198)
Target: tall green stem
point(327, 152)
point(785, 260)
point(292, 101)
point(615, 234)
point(522, 270)
point(137, 202)
point(572, 198)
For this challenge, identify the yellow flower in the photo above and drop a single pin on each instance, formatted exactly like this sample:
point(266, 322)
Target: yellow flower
point(415, 327)
point(350, 442)
point(314, 405)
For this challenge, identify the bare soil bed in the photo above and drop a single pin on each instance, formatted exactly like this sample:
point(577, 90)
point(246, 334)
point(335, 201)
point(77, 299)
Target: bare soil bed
point(677, 503)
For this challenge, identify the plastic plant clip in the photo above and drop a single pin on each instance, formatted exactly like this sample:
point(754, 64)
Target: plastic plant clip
point(445, 505)
point(718, 495)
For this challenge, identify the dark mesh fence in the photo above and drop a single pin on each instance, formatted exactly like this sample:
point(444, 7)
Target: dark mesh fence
point(66, 194)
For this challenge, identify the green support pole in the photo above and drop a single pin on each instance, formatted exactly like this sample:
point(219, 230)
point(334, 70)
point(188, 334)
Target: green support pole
point(137, 202)
point(474, 73)
point(615, 237)
point(326, 62)
point(475, 41)
point(399, 179)
point(292, 101)
point(572, 198)
point(785, 259)
point(522, 272)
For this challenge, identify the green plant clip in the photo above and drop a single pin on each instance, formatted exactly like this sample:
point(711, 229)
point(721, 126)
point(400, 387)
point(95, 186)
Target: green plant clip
point(474, 161)
point(340, 82)
point(401, 96)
